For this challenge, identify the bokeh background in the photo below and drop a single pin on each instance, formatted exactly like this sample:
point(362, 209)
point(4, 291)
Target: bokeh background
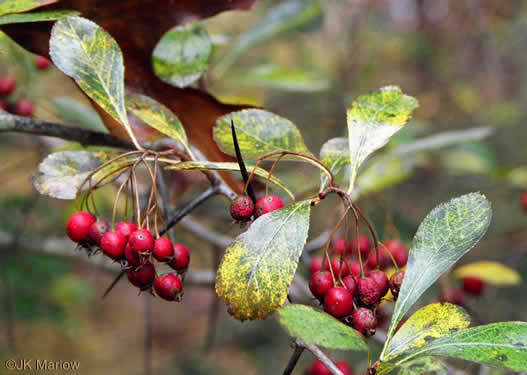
point(463, 60)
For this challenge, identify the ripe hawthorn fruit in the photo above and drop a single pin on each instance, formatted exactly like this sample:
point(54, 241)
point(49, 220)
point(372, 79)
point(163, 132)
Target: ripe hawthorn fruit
point(355, 269)
point(242, 208)
point(320, 283)
point(7, 85)
point(381, 280)
point(368, 291)
point(169, 287)
point(78, 226)
point(42, 63)
point(142, 241)
point(316, 264)
point(181, 258)
point(364, 321)
point(4, 106)
point(338, 302)
point(268, 204)
point(126, 228)
point(398, 250)
point(24, 108)
point(163, 249)
point(341, 246)
point(338, 267)
point(344, 367)
point(395, 283)
point(473, 285)
point(384, 259)
point(453, 295)
point(350, 283)
point(523, 200)
point(97, 231)
point(132, 257)
point(113, 244)
point(364, 246)
point(318, 368)
point(143, 276)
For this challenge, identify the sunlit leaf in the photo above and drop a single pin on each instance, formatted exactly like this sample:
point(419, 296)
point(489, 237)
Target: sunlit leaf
point(424, 365)
point(372, 120)
point(447, 233)
point(276, 77)
point(257, 268)
point(304, 322)
point(335, 154)
point(428, 323)
point(182, 54)
point(75, 113)
point(491, 272)
point(17, 6)
point(36, 16)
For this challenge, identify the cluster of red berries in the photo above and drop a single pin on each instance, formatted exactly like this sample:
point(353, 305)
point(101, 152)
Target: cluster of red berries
point(349, 294)
point(8, 85)
point(318, 368)
point(243, 208)
point(136, 250)
point(473, 286)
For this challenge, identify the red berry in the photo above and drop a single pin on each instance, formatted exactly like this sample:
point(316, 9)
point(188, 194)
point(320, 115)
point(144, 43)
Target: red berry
point(7, 85)
point(24, 108)
point(384, 259)
point(364, 321)
point(97, 231)
point(78, 226)
point(142, 276)
point(142, 241)
point(42, 63)
point(316, 264)
point(341, 246)
point(369, 292)
point(523, 200)
point(473, 285)
point(338, 302)
point(126, 228)
point(355, 269)
point(350, 283)
point(338, 267)
point(318, 368)
point(242, 208)
point(181, 258)
point(268, 204)
point(453, 295)
point(163, 249)
point(364, 246)
point(3, 106)
point(320, 283)
point(381, 280)
point(395, 283)
point(399, 251)
point(169, 287)
point(133, 257)
point(344, 368)
point(113, 244)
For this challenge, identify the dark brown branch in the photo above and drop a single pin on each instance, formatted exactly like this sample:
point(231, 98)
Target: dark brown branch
point(241, 163)
point(294, 359)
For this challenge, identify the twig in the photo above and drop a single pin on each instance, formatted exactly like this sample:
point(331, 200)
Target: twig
point(321, 357)
point(294, 359)
point(241, 163)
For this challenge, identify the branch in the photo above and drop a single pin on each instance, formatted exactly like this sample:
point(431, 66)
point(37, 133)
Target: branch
point(321, 357)
point(294, 359)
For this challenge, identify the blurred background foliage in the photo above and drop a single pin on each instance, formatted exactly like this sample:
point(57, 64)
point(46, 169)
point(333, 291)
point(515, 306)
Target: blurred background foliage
point(463, 60)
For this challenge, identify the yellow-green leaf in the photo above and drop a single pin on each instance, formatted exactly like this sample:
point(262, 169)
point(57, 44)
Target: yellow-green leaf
point(228, 166)
point(429, 323)
point(424, 365)
point(258, 267)
point(36, 16)
point(17, 6)
point(491, 272)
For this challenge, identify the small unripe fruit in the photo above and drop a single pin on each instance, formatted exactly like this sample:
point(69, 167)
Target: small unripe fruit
point(320, 283)
point(523, 200)
point(338, 266)
point(181, 258)
point(341, 246)
point(142, 241)
point(395, 283)
point(78, 226)
point(368, 291)
point(7, 85)
point(381, 280)
point(126, 228)
point(350, 284)
point(318, 368)
point(113, 244)
point(97, 231)
point(268, 204)
point(364, 246)
point(384, 259)
point(399, 251)
point(453, 295)
point(42, 63)
point(163, 249)
point(169, 287)
point(338, 302)
point(24, 108)
point(364, 321)
point(344, 368)
point(473, 285)
point(142, 276)
point(316, 264)
point(242, 208)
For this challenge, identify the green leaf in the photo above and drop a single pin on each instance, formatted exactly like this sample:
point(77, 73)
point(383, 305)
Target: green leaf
point(228, 166)
point(259, 132)
point(257, 268)
point(62, 173)
point(159, 117)
point(498, 344)
point(89, 55)
point(75, 113)
point(428, 323)
point(276, 77)
point(182, 54)
point(424, 365)
point(17, 6)
point(52, 15)
point(335, 154)
point(491, 272)
point(305, 323)
point(288, 16)
point(469, 158)
point(447, 233)
point(372, 120)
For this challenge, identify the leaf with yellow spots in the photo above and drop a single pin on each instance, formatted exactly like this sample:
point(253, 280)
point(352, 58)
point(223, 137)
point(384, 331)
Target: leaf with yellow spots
point(491, 272)
point(259, 265)
point(429, 323)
